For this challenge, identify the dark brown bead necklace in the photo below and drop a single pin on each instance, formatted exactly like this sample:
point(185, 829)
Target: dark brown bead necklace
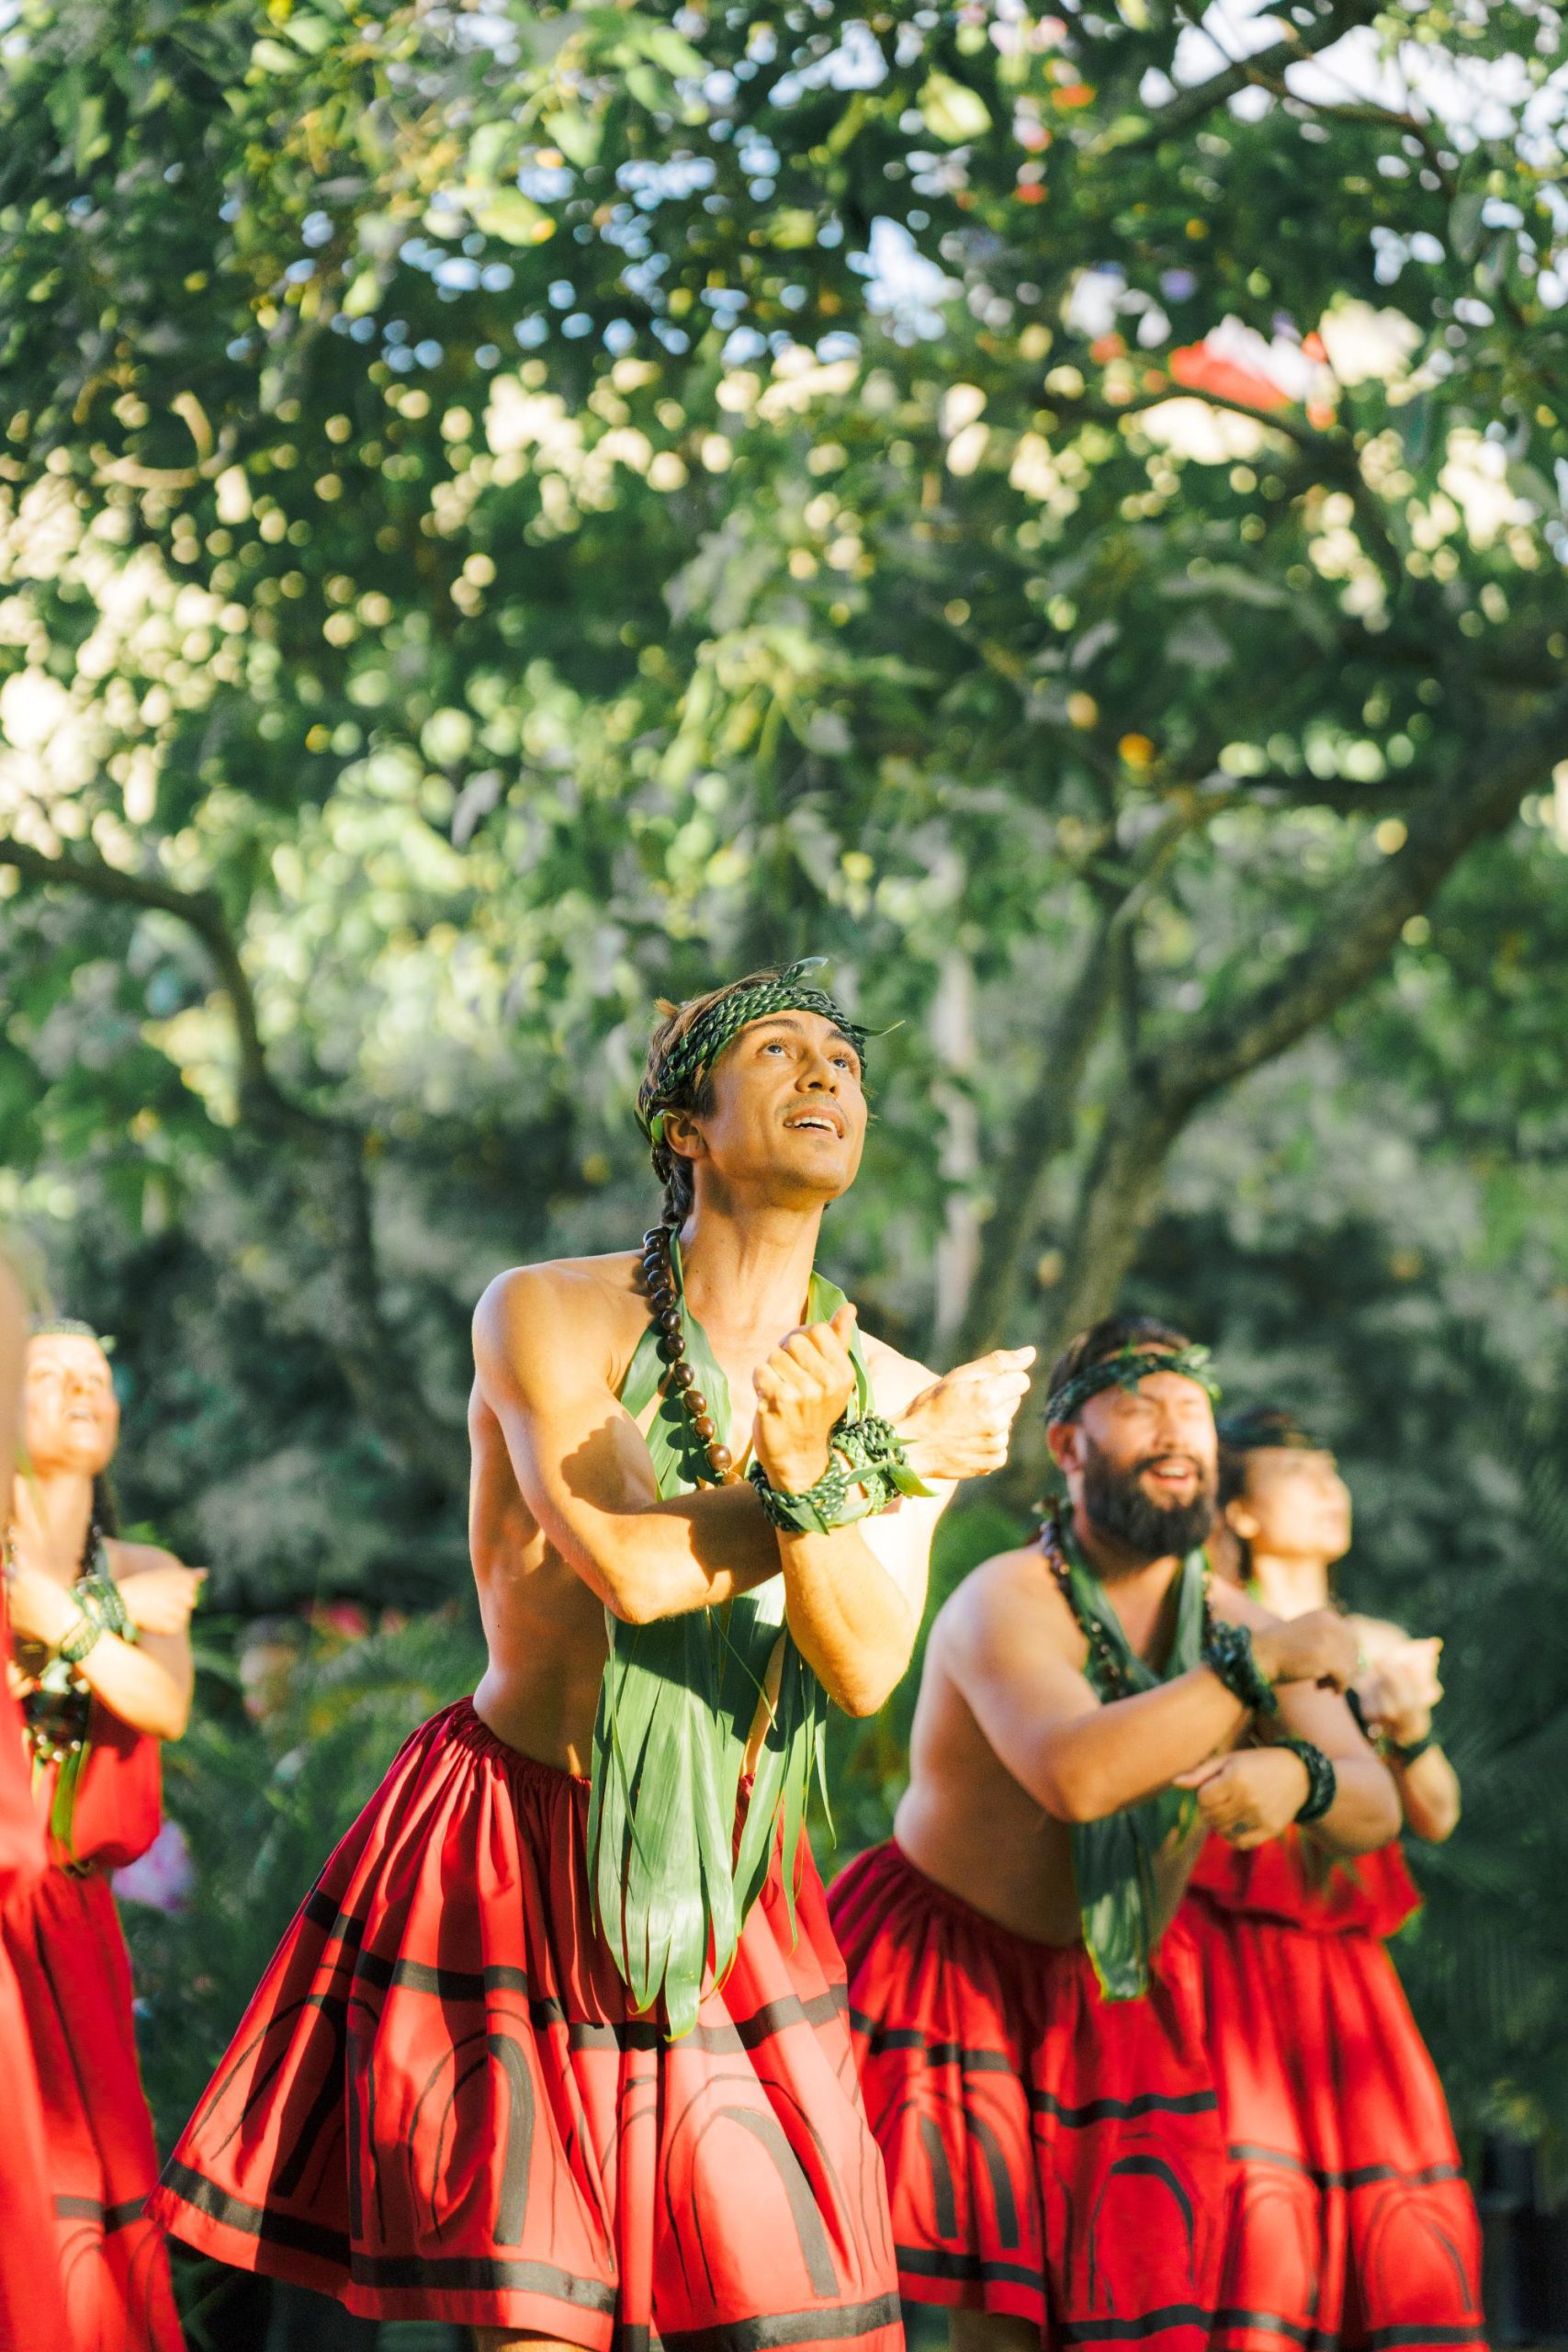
point(659, 1274)
point(1112, 1677)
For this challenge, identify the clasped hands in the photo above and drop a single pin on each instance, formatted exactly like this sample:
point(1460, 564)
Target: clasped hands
point(159, 1600)
point(1399, 1689)
point(958, 1428)
point(1251, 1794)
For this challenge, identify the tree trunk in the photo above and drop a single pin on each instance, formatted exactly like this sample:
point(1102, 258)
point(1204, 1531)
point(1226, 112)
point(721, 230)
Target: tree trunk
point(1119, 1196)
point(1357, 930)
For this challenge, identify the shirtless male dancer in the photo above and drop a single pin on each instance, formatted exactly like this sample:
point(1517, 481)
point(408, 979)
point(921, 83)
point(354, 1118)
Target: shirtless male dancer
point(557, 2045)
point(1027, 2014)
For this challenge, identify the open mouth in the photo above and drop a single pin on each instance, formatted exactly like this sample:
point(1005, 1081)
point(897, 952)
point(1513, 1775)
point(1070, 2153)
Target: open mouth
point(816, 1123)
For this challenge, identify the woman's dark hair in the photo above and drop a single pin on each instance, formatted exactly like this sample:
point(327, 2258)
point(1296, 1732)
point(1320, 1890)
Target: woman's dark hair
point(1255, 1429)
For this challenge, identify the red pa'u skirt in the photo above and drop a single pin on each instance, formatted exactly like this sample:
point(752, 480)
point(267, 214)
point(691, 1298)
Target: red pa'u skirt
point(64, 1944)
point(440, 2103)
point(1050, 2154)
point(1350, 2223)
point(32, 2309)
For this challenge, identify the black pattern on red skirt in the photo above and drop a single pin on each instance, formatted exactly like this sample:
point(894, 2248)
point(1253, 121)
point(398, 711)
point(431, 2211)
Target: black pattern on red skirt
point(1050, 2154)
point(439, 2105)
point(1349, 2223)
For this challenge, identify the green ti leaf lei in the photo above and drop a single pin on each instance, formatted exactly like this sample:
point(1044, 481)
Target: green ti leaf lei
point(1113, 1860)
point(672, 1886)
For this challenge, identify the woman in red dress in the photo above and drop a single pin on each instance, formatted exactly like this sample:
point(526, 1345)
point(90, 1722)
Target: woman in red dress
point(32, 2311)
point(1349, 2225)
point(104, 1668)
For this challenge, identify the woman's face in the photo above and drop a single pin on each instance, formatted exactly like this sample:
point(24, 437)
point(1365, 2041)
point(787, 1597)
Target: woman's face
point(70, 1412)
point(1294, 1505)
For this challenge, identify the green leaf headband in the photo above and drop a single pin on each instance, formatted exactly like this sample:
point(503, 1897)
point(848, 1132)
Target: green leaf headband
point(66, 1326)
point(1126, 1370)
point(701, 1046)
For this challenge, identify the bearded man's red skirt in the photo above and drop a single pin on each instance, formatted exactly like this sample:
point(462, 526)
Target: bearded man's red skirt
point(1350, 2221)
point(1050, 2154)
point(440, 2103)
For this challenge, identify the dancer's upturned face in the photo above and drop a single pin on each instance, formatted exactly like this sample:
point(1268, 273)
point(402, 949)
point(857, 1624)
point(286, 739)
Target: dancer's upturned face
point(1294, 1504)
point(70, 1412)
point(788, 1114)
point(1142, 1466)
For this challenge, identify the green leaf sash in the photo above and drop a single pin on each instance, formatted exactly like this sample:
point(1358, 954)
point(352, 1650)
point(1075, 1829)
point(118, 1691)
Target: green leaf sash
point(1113, 1860)
point(673, 1884)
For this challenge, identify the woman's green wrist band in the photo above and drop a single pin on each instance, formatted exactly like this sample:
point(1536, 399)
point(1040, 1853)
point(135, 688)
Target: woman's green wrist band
point(83, 1634)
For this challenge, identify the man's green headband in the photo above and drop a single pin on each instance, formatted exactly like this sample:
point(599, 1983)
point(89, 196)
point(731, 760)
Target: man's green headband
point(702, 1044)
point(1125, 1370)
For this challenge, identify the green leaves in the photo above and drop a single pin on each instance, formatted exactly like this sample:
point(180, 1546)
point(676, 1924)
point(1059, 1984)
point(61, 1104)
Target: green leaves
point(510, 215)
point(953, 112)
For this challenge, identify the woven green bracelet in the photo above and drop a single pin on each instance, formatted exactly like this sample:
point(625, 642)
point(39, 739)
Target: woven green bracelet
point(868, 1467)
point(82, 1638)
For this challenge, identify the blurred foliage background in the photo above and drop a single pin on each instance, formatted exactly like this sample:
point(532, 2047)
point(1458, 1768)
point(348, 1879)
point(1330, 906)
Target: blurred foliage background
point(507, 512)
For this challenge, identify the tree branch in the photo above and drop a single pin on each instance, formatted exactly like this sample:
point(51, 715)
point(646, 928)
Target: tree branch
point(1043, 1125)
point(202, 912)
point(1190, 105)
point(348, 1316)
point(1355, 934)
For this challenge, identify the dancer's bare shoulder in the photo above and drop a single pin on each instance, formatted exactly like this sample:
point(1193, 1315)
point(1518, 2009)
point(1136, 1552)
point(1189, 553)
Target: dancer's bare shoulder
point(573, 1322)
point(1009, 1604)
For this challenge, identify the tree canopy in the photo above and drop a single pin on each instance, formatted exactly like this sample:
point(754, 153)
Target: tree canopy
point(507, 512)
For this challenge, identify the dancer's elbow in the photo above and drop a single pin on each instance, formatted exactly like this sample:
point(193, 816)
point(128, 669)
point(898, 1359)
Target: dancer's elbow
point(1073, 1791)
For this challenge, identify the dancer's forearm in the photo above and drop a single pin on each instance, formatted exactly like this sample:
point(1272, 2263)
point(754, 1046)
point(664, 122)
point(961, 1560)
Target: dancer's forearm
point(851, 1623)
point(1429, 1793)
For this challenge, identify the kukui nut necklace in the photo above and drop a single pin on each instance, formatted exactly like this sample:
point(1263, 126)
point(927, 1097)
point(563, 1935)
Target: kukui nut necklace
point(659, 1276)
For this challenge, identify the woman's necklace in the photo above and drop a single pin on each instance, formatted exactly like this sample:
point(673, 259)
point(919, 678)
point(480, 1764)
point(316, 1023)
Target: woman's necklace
point(57, 1709)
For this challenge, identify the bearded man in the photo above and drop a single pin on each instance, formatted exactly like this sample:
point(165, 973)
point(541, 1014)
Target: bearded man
point(557, 2047)
point(1027, 2016)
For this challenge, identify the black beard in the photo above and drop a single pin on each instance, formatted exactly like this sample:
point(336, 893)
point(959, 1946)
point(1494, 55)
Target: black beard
point(1116, 1506)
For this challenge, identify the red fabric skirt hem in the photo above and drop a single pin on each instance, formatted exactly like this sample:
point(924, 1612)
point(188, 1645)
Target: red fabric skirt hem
point(1052, 2156)
point(244, 2244)
point(440, 2105)
point(1349, 2223)
point(74, 1978)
